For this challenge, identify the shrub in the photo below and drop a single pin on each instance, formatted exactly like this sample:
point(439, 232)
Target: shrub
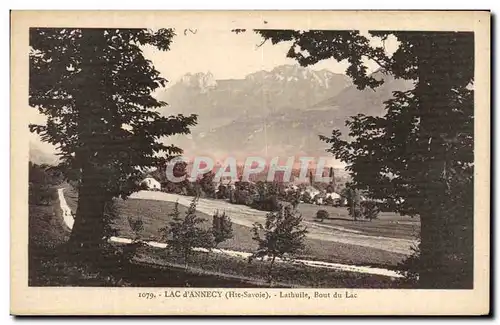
point(137, 227)
point(109, 216)
point(222, 228)
point(222, 192)
point(207, 184)
point(338, 202)
point(329, 201)
point(270, 203)
point(322, 215)
point(353, 202)
point(306, 197)
point(184, 234)
point(40, 194)
point(411, 267)
point(370, 210)
point(129, 250)
point(292, 197)
point(282, 235)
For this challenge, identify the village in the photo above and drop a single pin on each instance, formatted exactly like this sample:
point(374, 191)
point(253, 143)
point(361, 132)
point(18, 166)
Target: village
point(306, 190)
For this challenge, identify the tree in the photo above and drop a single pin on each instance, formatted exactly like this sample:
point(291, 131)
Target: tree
point(281, 236)
point(370, 209)
point(292, 197)
point(110, 215)
point(222, 228)
point(420, 153)
point(94, 86)
point(353, 198)
point(137, 227)
point(184, 234)
point(207, 184)
point(222, 192)
point(306, 197)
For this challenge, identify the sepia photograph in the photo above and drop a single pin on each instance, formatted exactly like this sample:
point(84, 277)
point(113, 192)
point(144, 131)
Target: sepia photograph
point(283, 162)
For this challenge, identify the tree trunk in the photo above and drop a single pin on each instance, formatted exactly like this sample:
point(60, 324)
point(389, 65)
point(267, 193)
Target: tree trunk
point(446, 252)
point(430, 253)
point(446, 249)
point(186, 257)
point(88, 230)
point(270, 274)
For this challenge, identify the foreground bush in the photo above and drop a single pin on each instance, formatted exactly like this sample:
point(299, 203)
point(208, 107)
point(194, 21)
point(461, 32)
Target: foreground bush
point(322, 215)
point(281, 236)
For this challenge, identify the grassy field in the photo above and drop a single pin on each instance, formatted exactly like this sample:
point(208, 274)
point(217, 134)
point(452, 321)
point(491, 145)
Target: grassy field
point(388, 224)
point(284, 274)
point(51, 263)
point(48, 261)
point(155, 215)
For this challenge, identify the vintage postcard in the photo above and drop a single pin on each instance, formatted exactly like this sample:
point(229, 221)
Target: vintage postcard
point(250, 163)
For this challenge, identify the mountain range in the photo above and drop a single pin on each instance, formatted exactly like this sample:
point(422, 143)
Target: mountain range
point(272, 113)
point(268, 113)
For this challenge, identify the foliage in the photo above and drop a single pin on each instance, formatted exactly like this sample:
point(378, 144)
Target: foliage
point(42, 178)
point(137, 226)
point(222, 192)
point(353, 198)
point(95, 88)
point(267, 196)
point(129, 250)
point(370, 209)
point(410, 268)
point(306, 198)
point(222, 228)
point(420, 153)
point(110, 214)
point(207, 184)
point(184, 234)
point(292, 197)
point(321, 215)
point(281, 236)
point(243, 193)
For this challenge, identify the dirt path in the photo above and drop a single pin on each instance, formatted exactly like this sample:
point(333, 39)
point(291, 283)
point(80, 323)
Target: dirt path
point(246, 216)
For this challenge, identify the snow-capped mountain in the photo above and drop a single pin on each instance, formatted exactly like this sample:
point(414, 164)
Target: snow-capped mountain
point(275, 113)
point(268, 113)
point(218, 102)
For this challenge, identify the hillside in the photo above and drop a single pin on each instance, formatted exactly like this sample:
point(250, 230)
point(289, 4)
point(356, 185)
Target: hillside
point(252, 128)
point(219, 102)
point(268, 113)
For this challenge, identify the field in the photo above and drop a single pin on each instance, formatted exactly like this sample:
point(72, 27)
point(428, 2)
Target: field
point(284, 274)
point(51, 264)
point(387, 224)
point(371, 235)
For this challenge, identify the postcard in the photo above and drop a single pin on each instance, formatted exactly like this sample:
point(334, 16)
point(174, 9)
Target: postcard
point(250, 162)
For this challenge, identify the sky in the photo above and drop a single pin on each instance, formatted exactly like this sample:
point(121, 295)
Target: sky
point(228, 55)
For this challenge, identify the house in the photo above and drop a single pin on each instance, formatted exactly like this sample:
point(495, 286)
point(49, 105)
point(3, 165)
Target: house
point(332, 195)
point(312, 191)
point(151, 184)
point(324, 198)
